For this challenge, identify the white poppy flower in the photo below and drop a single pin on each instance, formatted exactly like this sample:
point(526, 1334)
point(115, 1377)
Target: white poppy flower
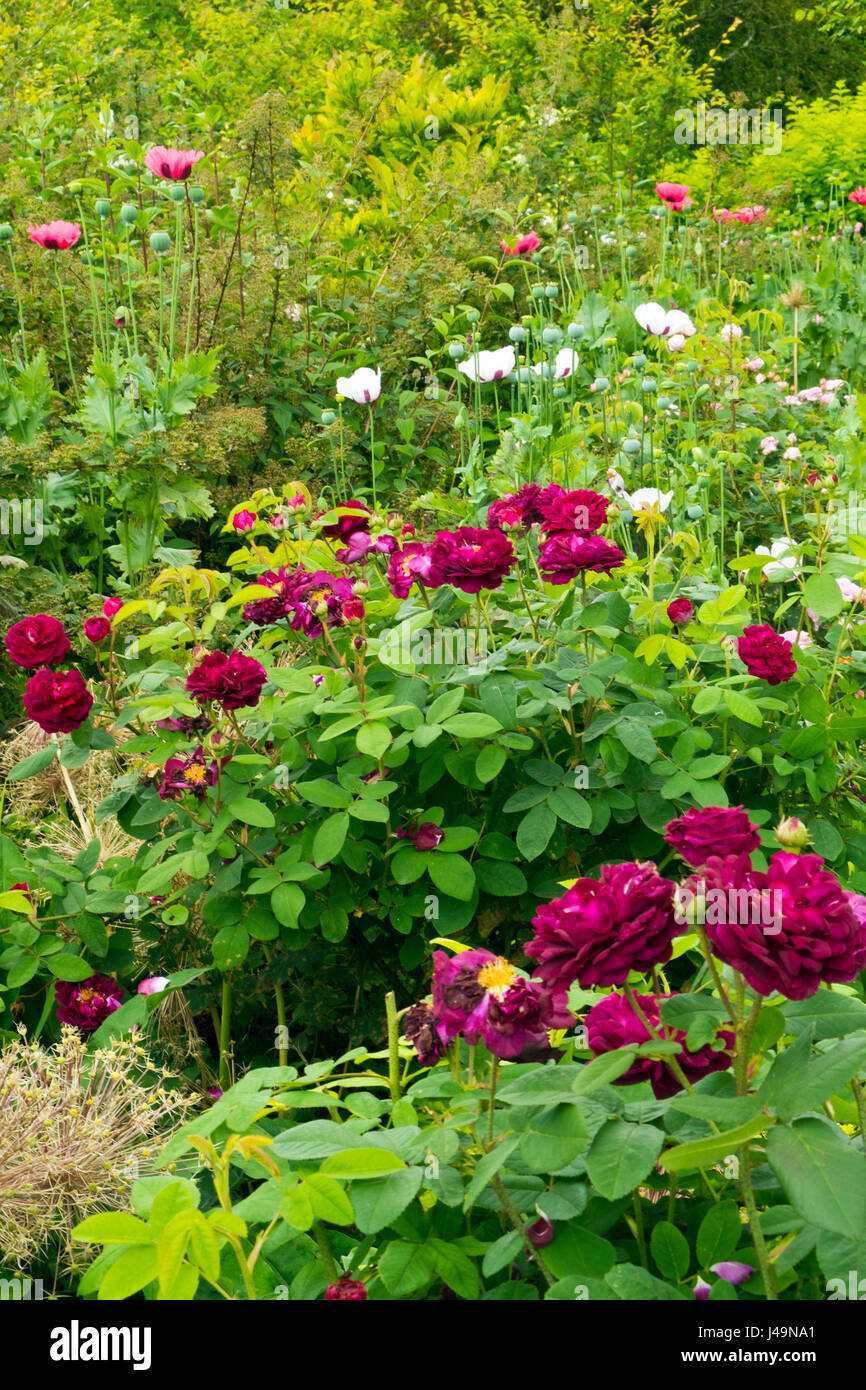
point(566, 363)
point(363, 387)
point(663, 323)
point(488, 366)
point(647, 498)
point(783, 563)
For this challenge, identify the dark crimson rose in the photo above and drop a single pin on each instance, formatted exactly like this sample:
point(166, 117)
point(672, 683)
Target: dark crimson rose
point(87, 1003)
point(482, 996)
point(346, 1290)
point(37, 641)
point(352, 610)
point(23, 888)
point(58, 701)
point(234, 680)
point(707, 830)
point(97, 629)
point(282, 585)
point(186, 724)
point(407, 566)
point(789, 929)
point(358, 519)
point(599, 930)
point(612, 1023)
point(562, 557)
point(419, 1026)
point(471, 558)
point(541, 1232)
point(193, 774)
point(766, 654)
point(517, 508)
point(680, 612)
point(579, 512)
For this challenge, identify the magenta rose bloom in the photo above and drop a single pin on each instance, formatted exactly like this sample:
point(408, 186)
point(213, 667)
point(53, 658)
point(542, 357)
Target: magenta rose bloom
point(319, 600)
point(707, 830)
point(521, 507)
point(346, 1290)
point(408, 566)
point(423, 836)
point(789, 929)
point(58, 701)
point(97, 629)
point(579, 512)
point(420, 1027)
point(564, 556)
point(599, 930)
point(37, 641)
point(348, 523)
point(612, 1023)
point(111, 606)
point(233, 680)
point(482, 996)
point(193, 774)
point(680, 612)
point(766, 654)
point(87, 1003)
point(471, 558)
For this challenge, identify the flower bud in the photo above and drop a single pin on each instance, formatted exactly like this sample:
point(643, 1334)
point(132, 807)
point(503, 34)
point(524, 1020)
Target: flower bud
point(551, 291)
point(541, 1232)
point(792, 834)
point(456, 351)
point(176, 192)
point(551, 335)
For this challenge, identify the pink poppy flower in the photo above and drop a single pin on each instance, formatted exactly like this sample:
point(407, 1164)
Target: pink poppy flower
point(524, 246)
point(858, 195)
point(675, 195)
point(55, 236)
point(172, 164)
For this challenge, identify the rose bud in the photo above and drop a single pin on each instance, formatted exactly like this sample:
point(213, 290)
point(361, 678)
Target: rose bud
point(541, 1232)
point(97, 629)
point(792, 834)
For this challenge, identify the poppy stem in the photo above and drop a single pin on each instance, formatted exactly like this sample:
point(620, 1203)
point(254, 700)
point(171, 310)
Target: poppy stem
point(393, 1046)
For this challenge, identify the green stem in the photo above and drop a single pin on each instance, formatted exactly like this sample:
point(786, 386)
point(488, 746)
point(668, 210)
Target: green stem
point(225, 1033)
point(66, 333)
point(393, 1049)
point(329, 1264)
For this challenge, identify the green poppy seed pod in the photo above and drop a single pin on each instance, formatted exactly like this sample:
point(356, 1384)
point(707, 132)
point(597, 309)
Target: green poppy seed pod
point(691, 365)
point(833, 205)
point(560, 392)
point(819, 205)
point(176, 192)
point(619, 220)
point(328, 417)
point(648, 384)
point(665, 402)
point(102, 207)
point(639, 360)
point(626, 515)
point(575, 331)
point(537, 291)
point(694, 512)
point(87, 258)
point(551, 335)
point(196, 194)
point(517, 334)
point(551, 291)
point(6, 232)
point(457, 351)
point(472, 315)
point(545, 369)
point(595, 210)
point(160, 242)
point(601, 383)
point(128, 213)
point(570, 217)
point(631, 250)
point(631, 446)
